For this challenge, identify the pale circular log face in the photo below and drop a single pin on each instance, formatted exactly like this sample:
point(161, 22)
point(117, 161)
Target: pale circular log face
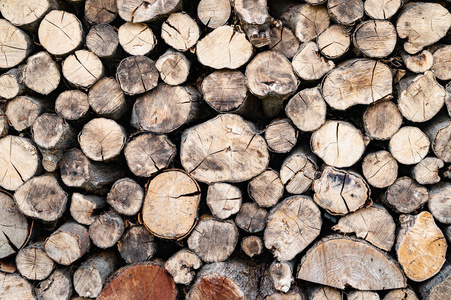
point(14, 43)
point(23, 12)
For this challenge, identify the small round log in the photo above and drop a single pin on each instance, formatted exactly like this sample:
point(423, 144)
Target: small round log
point(14, 286)
point(375, 38)
point(33, 263)
point(266, 189)
point(325, 293)
point(381, 9)
point(437, 287)
point(106, 230)
point(401, 294)
point(252, 245)
point(441, 66)
point(223, 199)
point(308, 63)
point(409, 145)
point(214, 13)
point(57, 287)
point(180, 31)
point(284, 41)
point(84, 208)
point(334, 42)
point(83, 68)
point(173, 67)
point(126, 197)
point(298, 171)
point(102, 40)
point(282, 275)
point(136, 11)
point(182, 266)
point(22, 111)
point(439, 133)
point(406, 196)
point(426, 171)
point(107, 99)
point(374, 120)
point(41, 73)
point(380, 169)
point(251, 218)
point(137, 74)
point(345, 12)
point(440, 202)
point(100, 11)
point(307, 21)
point(136, 38)
point(72, 105)
point(16, 45)
point(281, 136)
point(12, 83)
point(136, 245)
point(28, 13)
point(254, 18)
point(418, 63)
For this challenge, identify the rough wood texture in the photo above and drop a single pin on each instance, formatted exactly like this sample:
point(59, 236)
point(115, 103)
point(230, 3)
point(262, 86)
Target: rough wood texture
point(381, 9)
point(405, 195)
point(223, 199)
point(380, 272)
point(282, 275)
point(180, 31)
point(441, 66)
point(409, 145)
point(252, 245)
point(251, 218)
point(375, 38)
point(439, 286)
point(126, 197)
point(83, 68)
point(375, 120)
point(308, 63)
point(420, 247)
point(11, 83)
point(136, 38)
point(182, 266)
point(173, 67)
point(266, 189)
point(334, 41)
point(363, 295)
point(439, 132)
point(16, 45)
point(136, 245)
point(345, 12)
point(136, 11)
point(100, 11)
point(58, 286)
point(137, 74)
point(380, 169)
point(103, 40)
point(426, 171)
point(325, 293)
point(14, 286)
point(307, 21)
point(253, 17)
point(41, 73)
point(418, 63)
point(72, 105)
point(298, 171)
point(4, 127)
point(401, 294)
point(283, 41)
point(440, 202)
point(107, 99)
point(84, 208)
point(281, 136)
point(26, 13)
point(22, 111)
point(106, 230)
point(213, 13)
point(33, 263)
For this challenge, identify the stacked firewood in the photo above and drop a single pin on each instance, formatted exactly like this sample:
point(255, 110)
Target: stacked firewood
point(216, 149)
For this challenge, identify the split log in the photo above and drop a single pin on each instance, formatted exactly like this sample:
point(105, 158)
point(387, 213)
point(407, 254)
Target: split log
point(106, 230)
point(14, 286)
point(381, 9)
point(180, 31)
point(282, 275)
point(357, 81)
point(440, 202)
point(103, 40)
point(426, 171)
point(72, 105)
point(418, 63)
point(380, 169)
point(266, 189)
point(281, 136)
point(170, 204)
point(223, 199)
point(16, 45)
point(292, 225)
point(14, 226)
point(406, 196)
point(334, 42)
point(325, 293)
point(307, 109)
point(252, 245)
point(284, 41)
point(373, 224)
point(213, 13)
point(140, 281)
point(224, 48)
point(22, 111)
point(409, 145)
point(363, 295)
point(173, 67)
point(84, 208)
point(437, 287)
point(102, 139)
point(251, 218)
point(137, 74)
point(20, 161)
point(420, 247)
point(68, 243)
point(83, 68)
point(308, 63)
point(90, 277)
point(33, 263)
point(147, 153)
point(57, 287)
point(340, 192)
point(11, 83)
point(345, 12)
point(213, 240)
point(26, 14)
point(4, 127)
point(100, 11)
point(298, 171)
point(379, 272)
point(166, 108)
point(375, 38)
point(41, 73)
point(136, 38)
point(126, 196)
point(439, 132)
point(375, 120)
point(136, 245)
point(107, 99)
point(136, 11)
point(307, 21)
point(244, 153)
point(401, 294)
point(60, 32)
point(441, 66)
point(182, 266)
point(422, 24)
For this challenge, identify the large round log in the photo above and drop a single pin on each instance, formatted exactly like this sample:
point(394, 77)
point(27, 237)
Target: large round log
point(16, 45)
point(14, 286)
point(103, 40)
point(26, 14)
point(375, 38)
point(334, 42)
point(72, 105)
point(381, 9)
point(266, 189)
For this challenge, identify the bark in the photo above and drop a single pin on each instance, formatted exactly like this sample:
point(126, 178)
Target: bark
point(437, 287)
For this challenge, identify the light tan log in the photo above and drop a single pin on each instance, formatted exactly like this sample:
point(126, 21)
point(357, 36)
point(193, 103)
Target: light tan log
point(284, 41)
point(345, 12)
point(27, 13)
point(298, 171)
point(173, 67)
point(252, 245)
point(235, 146)
point(136, 245)
point(68, 243)
point(375, 38)
point(22, 111)
point(281, 136)
point(421, 246)
point(72, 105)
point(363, 295)
point(137, 74)
point(14, 286)
point(325, 293)
point(213, 240)
point(106, 230)
point(401, 294)
point(307, 21)
point(254, 17)
point(60, 32)
point(126, 197)
point(375, 120)
point(58, 286)
point(381, 9)
point(266, 189)
point(11, 83)
point(422, 24)
point(437, 287)
point(107, 99)
point(440, 202)
point(41, 73)
point(180, 31)
point(100, 11)
point(334, 41)
point(4, 127)
point(405, 195)
point(378, 272)
point(380, 169)
point(83, 68)
point(84, 208)
point(136, 11)
point(16, 45)
point(213, 13)
point(418, 63)
point(224, 48)
point(426, 171)
point(409, 145)
point(103, 40)
point(251, 218)
point(170, 204)
point(292, 225)
point(223, 199)
point(308, 63)
point(33, 263)
point(439, 133)
point(136, 38)
point(282, 275)
point(182, 266)
point(357, 81)
point(441, 65)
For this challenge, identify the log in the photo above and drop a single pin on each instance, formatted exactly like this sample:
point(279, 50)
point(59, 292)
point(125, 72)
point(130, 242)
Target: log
point(126, 197)
point(223, 199)
point(60, 32)
point(357, 81)
point(441, 66)
point(282, 275)
point(439, 133)
point(422, 24)
point(173, 67)
point(11, 83)
point(363, 295)
point(170, 204)
point(308, 63)
point(437, 287)
point(409, 145)
point(137, 74)
point(380, 9)
point(214, 14)
point(418, 63)
point(136, 245)
point(166, 108)
point(284, 41)
point(325, 293)
point(307, 21)
point(14, 227)
point(85, 208)
point(33, 263)
point(72, 105)
point(100, 11)
point(379, 272)
point(244, 153)
point(57, 287)
point(136, 38)
point(224, 48)
point(298, 171)
point(106, 230)
point(292, 225)
point(281, 136)
point(20, 161)
point(136, 11)
point(375, 120)
point(380, 169)
point(252, 245)
point(345, 12)
point(254, 18)
point(22, 111)
point(401, 294)
point(102, 139)
point(182, 266)
point(213, 240)
point(180, 31)
point(268, 291)
point(68, 243)
point(26, 14)
point(440, 202)
point(83, 68)
point(14, 286)
point(140, 281)
point(375, 38)
point(90, 277)
point(102, 40)
point(107, 99)
point(16, 45)
point(41, 73)
point(420, 247)
point(406, 196)
point(334, 42)
point(266, 189)
point(4, 127)
point(251, 218)
point(426, 171)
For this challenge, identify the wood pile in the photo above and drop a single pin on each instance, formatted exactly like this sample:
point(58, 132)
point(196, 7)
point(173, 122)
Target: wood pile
point(225, 149)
